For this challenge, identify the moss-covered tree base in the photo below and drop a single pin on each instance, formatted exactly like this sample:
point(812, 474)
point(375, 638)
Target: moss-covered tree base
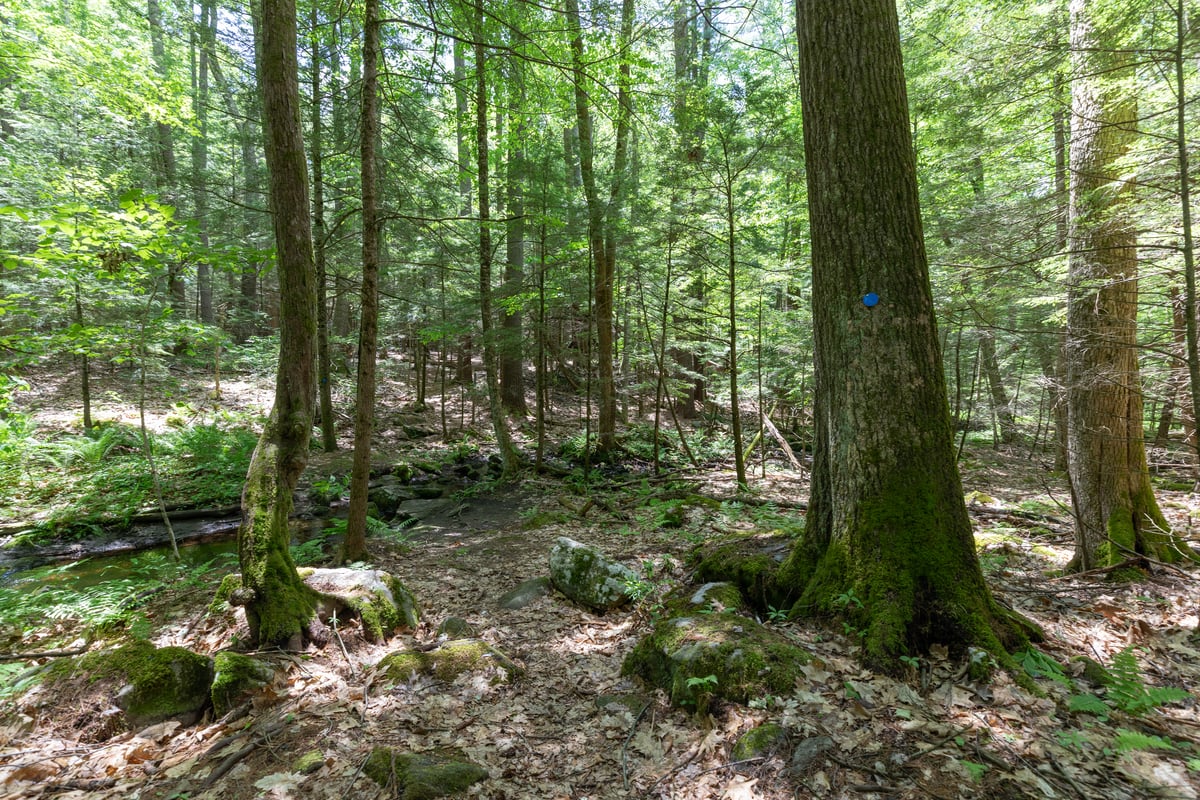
point(902, 601)
point(706, 650)
point(1130, 534)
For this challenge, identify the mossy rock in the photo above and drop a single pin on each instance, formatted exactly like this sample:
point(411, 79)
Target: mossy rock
point(685, 652)
point(380, 600)
point(525, 593)
point(456, 628)
point(155, 684)
point(236, 676)
point(760, 741)
point(749, 562)
point(587, 577)
point(387, 498)
point(712, 597)
point(422, 776)
point(309, 762)
point(221, 601)
point(449, 661)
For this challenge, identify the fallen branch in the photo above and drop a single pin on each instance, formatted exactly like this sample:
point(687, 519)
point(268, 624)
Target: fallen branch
point(44, 654)
point(232, 759)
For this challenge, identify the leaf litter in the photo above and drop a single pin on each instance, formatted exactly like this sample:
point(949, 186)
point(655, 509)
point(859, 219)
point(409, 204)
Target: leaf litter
point(934, 733)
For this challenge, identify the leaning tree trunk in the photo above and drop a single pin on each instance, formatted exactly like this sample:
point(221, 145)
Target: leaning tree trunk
point(280, 609)
point(888, 543)
point(1116, 513)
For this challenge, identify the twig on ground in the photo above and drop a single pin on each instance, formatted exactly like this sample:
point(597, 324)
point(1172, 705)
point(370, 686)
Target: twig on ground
point(625, 746)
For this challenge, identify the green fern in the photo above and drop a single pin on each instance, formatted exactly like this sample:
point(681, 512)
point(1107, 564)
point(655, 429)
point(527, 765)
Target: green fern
point(1129, 692)
point(1089, 704)
point(1132, 740)
point(1040, 665)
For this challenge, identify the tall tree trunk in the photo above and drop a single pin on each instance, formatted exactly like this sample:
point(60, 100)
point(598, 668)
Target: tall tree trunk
point(887, 525)
point(354, 546)
point(512, 372)
point(280, 609)
point(600, 240)
point(202, 49)
point(508, 451)
point(1191, 335)
point(1116, 513)
point(164, 140)
point(1000, 403)
point(325, 390)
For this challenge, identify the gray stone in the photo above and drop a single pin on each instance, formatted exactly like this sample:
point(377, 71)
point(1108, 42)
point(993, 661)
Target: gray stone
point(808, 752)
point(379, 599)
point(388, 497)
point(456, 628)
point(587, 577)
point(525, 593)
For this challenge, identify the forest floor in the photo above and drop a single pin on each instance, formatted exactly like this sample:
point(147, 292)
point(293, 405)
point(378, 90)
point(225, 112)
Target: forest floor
point(934, 734)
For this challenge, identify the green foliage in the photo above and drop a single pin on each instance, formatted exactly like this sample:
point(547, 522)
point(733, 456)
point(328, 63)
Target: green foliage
point(104, 594)
point(704, 684)
point(1133, 740)
point(1040, 665)
point(1088, 704)
point(974, 770)
point(1129, 692)
point(82, 481)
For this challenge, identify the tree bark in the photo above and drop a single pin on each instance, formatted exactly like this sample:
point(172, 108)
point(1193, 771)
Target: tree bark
point(512, 366)
point(508, 451)
point(202, 45)
point(325, 390)
point(1116, 513)
point(280, 609)
point(354, 546)
point(888, 542)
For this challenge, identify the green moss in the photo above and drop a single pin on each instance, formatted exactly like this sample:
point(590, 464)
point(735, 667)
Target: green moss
point(309, 762)
point(421, 776)
point(448, 661)
point(235, 676)
point(752, 563)
point(747, 659)
point(381, 614)
point(229, 584)
point(160, 682)
point(907, 576)
point(759, 741)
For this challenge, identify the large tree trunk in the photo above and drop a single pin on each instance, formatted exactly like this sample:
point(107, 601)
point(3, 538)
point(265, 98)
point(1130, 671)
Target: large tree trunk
point(354, 546)
point(1116, 513)
point(280, 609)
point(888, 542)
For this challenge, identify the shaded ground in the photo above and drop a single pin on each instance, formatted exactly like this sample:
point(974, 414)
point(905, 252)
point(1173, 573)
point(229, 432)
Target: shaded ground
point(936, 734)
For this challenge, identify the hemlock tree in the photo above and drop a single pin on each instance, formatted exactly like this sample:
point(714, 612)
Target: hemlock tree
point(1116, 513)
point(888, 541)
point(279, 607)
